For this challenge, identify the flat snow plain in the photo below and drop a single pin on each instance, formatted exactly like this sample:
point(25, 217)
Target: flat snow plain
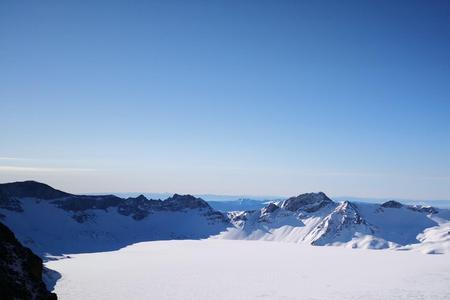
point(225, 269)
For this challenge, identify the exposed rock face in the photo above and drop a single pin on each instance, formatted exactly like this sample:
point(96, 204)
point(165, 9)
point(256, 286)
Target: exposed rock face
point(392, 204)
point(20, 271)
point(137, 207)
point(270, 208)
point(309, 202)
point(178, 202)
point(239, 216)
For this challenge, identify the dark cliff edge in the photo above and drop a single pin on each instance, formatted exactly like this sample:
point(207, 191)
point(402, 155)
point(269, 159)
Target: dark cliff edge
point(20, 270)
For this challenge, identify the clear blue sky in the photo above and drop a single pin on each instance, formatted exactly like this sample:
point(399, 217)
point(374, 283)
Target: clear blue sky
point(227, 97)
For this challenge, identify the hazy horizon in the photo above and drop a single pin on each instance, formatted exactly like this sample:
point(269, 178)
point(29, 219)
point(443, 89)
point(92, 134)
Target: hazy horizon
point(233, 197)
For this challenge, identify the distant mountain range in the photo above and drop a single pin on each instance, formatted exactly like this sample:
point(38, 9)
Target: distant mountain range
point(248, 202)
point(53, 222)
point(436, 203)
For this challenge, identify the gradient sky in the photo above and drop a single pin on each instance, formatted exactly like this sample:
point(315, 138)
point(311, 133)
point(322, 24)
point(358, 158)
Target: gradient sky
point(227, 97)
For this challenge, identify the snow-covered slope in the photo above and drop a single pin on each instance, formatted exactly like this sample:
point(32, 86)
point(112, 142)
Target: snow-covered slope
point(243, 270)
point(434, 240)
point(64, 223)
point(314, 218)
point(54, 222)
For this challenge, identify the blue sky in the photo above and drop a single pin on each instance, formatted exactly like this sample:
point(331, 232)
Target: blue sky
point(227, 97)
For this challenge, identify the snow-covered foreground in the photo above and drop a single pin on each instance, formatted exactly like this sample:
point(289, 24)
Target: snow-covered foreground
point(225, 269)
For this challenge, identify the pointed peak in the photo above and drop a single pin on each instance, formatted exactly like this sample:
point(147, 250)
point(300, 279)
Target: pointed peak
point(141, 197)
point(185, 201)
point(346, 206)
point(270, 208)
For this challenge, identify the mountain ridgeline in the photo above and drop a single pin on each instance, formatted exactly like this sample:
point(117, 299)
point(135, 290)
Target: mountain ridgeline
point(52, 222)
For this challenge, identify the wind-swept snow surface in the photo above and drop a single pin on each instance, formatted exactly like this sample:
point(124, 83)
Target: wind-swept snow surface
point(232, 270)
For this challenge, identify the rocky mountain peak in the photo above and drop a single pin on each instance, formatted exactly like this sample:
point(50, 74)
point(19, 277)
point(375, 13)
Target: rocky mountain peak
point(177, 202)
point(392, 204)
point(141, 197)
point(309, 202)
point(350, 213)
point(270, 208)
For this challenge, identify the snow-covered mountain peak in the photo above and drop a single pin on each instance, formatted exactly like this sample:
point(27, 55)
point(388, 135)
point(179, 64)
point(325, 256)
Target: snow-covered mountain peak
point(341, 225)
point(348, 208)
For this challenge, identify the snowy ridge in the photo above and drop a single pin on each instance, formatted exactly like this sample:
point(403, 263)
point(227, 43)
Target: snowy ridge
point(65, 223)
point(341, 225)
point(315, 219)
point(52, 222)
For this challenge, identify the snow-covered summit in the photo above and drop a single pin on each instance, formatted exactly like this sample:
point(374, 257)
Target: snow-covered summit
point(340, 225)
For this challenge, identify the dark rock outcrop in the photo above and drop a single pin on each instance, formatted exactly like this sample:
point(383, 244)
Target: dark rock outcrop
point(309, 202)
point(179, 202)
point(392, 204)
point(270, 208)
point(20, 271)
